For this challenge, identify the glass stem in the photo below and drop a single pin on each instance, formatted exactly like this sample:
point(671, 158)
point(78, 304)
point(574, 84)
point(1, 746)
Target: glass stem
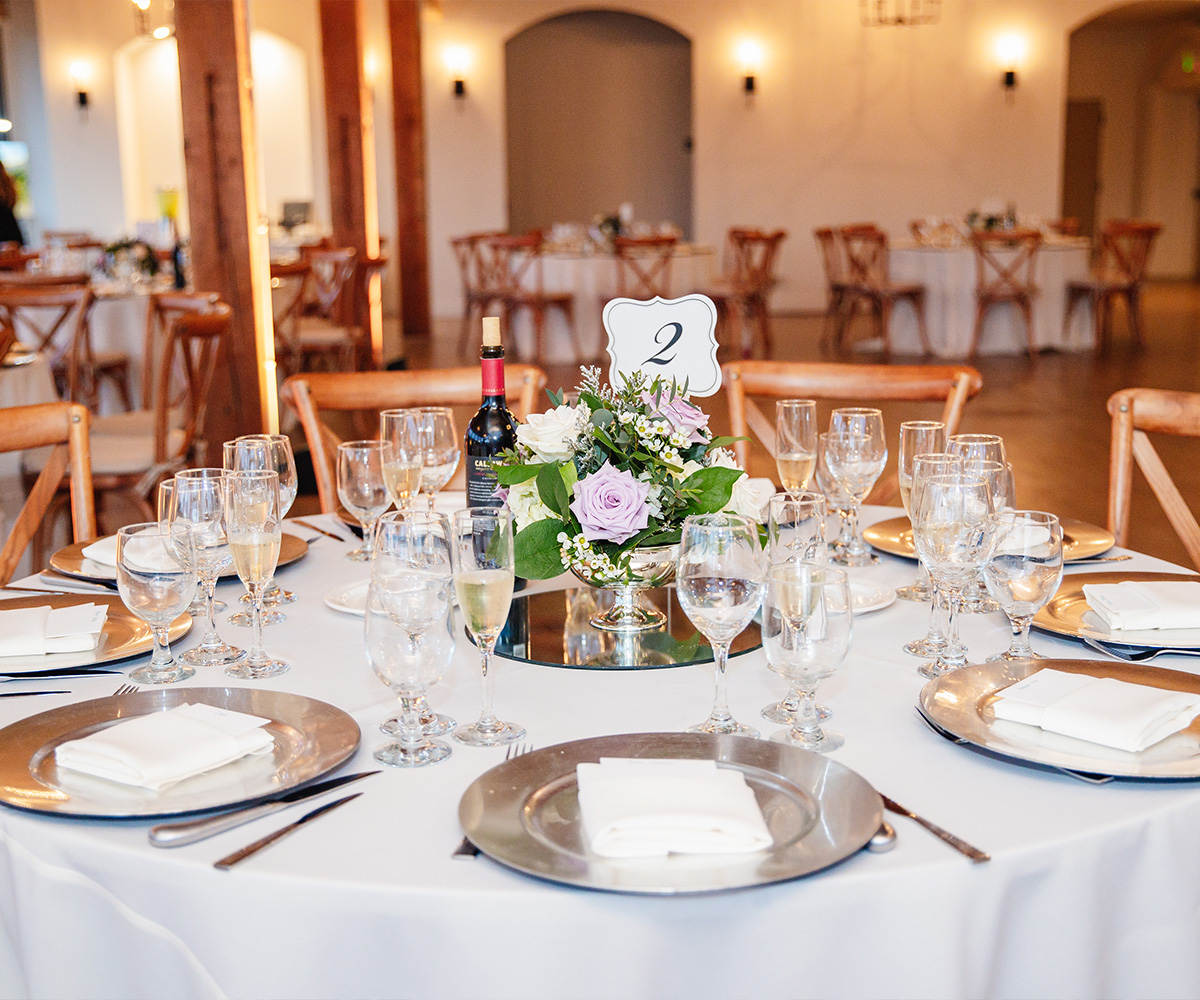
point(256, 610)
point(210, 592)
point(431, 499)
point(852, 525)
point(720, 712)
point(923, 580)
point(487, 718)
point(938, 614)
point(954, 654)
point(1020, 638)
point(162, 647)
point(368, 544)
point(806, 721)
point(410, 723)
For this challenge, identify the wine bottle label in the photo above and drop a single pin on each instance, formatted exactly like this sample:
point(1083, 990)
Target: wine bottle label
point(481, 483)
point(493, 376)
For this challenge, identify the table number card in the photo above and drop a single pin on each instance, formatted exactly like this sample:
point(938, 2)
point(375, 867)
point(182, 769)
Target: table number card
point(667, 338)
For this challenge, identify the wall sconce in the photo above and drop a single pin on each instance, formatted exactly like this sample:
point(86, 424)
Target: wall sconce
point(458, 60)
point(1010, 50)
point(749, 54)
point(81, 72)
point(5, 126)
point(162, 32)
point(139, 15)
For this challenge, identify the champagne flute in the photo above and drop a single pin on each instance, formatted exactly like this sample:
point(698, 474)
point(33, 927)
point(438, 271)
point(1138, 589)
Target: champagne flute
point(856, 454)
point(198, 499)
point(267, 451)
point(441, 448)
point(719, 581)
point(402, 462)
point(361, 489)
point(836, 499)
point(253, 523)
point(924, 467)
point(1024, 572)
point(795, 442)
point(156, 578)
point(482, 550)
point(917, 437)
point(807, 626)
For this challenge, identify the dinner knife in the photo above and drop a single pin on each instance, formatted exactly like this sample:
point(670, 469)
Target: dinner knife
point(960, 845)
point(190, 831)
point(23, 694)
point(230, 860)
point(37, 675)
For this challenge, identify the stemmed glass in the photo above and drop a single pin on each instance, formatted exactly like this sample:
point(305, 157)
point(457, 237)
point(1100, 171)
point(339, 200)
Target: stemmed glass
point(254, 525)
point(795, 442)
point(807, 625)
point(156, 577)
point(362, 490)
point(400, 433)
point(923, 468)
point(975, 599)
point(166, 492)
point(438, 646)
point(719, 581)
point(855, 454)
point(917, 437)
point(836, 499)
point(481, 545)
point(1024, 572)
point(440, 449)
point(198, 499)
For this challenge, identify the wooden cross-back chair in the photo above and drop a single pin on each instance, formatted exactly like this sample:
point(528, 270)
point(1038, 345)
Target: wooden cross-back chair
point(1125, 246)
point(355, 392)
point(1160, 411)
point(866, 249)
point(742, 292)
point(480, 287)
point(837, 288)
point(14, 258)
point(515, 265)
point(289, 287)
point(52, 319)
point(644, 266)
point(327, 330)
point(1005, 271)
point(63, 428)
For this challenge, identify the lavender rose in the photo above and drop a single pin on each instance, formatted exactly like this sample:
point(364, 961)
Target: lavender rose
point(611, 505)
point(682, 416)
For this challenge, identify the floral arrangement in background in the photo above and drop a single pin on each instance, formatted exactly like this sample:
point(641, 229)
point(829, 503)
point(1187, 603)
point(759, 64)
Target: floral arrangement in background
point(618, 469)
point(137, 253)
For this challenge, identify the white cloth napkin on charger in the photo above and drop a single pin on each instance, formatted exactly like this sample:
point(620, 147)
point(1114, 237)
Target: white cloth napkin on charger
point(1137, 605)
point(38, 631)
point(102, 551)
point(146, 554)
point(1097, 709)
point(650, 808)
point(160, 748)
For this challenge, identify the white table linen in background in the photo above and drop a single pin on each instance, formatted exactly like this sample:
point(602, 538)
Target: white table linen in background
point(1092, 890)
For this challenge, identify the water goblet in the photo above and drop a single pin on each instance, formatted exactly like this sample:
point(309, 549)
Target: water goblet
point(795, 442)
point(855, 454)
point(924, 467)
point(1024, 572)
point(362, 490)
point(156, 578)
point(165, 493)
point(440, 449)
point(917, 437)
point(984, 447)
point(975, 599)
point(254, 526)
point(719, 582)
point(836, 499)
point(402, 457)
point(807, 626)
point(482, 550)
point(438, 644)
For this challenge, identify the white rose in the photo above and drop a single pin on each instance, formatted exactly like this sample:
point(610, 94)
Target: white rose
point(689, 467)
point(526, 505)
point(722, 458)
point(551, 436)
point(750, 497)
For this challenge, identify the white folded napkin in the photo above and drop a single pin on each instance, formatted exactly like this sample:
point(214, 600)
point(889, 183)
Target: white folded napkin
point(1019, 539)
point(38, 631)
point(1145, 605)
point(651, 808)
point(1097, 709)
point(161, 748)
point(102, 551)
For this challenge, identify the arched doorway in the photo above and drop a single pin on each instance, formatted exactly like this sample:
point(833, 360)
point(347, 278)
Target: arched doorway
point(599, 113)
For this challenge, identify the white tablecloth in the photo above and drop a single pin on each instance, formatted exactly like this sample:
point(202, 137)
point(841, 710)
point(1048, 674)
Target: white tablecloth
point(1091, 891)
point(948, 274)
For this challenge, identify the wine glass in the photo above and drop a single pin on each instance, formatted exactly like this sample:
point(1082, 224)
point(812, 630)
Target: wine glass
point(400, 433)
point(985, 447)
point(1024, 572)
point(923, 468)
point(438, 645)
point(855, 454)
point(254, 525)
point(166, 491)
point(362, 490)
point(917, 437)
point(198, 499)
point(953, 534)
point(807, 625)
point(156, 578)
point(795, 442)
point(975, 597)
point(719, 582)
point(481, 545)
point(836, 499)
point(796, 527)
point(440, 449)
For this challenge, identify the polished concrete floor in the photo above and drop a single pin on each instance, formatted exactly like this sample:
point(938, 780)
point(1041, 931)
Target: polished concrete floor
point(1049, 409)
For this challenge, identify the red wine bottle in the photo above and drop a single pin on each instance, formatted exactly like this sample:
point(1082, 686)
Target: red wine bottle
point(492, 429)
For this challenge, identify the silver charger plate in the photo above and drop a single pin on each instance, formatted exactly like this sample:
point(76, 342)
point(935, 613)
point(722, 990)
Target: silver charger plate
point(959, 704)
point(311, 739)
point(524, 813)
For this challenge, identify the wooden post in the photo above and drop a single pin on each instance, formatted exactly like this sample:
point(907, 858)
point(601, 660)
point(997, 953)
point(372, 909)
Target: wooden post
point(351, 137)
point(228, 236)
point(408, 116)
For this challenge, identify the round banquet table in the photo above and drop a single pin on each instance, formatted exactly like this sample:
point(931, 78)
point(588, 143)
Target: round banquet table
point(1093, 890)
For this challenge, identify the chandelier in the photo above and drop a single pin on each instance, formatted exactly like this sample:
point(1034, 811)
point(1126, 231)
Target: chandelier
point(898, 13)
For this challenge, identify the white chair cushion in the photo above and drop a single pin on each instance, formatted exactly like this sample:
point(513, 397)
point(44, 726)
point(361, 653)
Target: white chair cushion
point(138, 423)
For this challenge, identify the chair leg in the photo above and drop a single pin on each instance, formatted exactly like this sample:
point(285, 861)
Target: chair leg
point(764, 327)
point(918, 304)
point(539, 326)
point(884, 318)
point(1027, 312)
point(1133, 306)
point(977, 332)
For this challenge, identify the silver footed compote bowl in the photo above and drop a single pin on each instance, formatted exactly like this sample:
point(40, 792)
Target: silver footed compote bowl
point(646, 568)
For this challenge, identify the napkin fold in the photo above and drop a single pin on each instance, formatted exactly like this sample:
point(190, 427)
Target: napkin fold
point(102, 551)
point(1100, 710)
point(652, 808)
point(148, 554)
point(161, 748)
point(43, 630)
point(1137, 605)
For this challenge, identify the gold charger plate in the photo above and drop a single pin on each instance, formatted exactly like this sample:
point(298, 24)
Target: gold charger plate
point(311, 739)
point(70, 561)
point(1081, 540)
point(959, 705)
point(124, 634)
point(1068, 614)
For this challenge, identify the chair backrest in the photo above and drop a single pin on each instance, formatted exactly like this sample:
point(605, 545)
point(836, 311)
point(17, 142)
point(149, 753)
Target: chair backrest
point(1125, 246)
point(185, 379)
point(833, 257)
point(289, 287)
point(65, 427)
point(1005, 263)
point(513, 264)
point(53, 319)
point(42, 279)
point(312, 392)
point(64, 237)
point(753, 254)
point(330, 284)
point(829, 380)
point(163, 309)
point(644, 266)
point(1160, 411)
point(866, 248)
point(471, 270)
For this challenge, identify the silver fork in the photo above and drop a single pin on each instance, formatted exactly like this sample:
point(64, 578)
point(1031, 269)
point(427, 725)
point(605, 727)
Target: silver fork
point(125, 689)
point(466, 849)
point(1135, 654)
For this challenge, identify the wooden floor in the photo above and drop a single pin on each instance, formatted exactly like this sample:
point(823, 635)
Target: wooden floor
point(1050, 409)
